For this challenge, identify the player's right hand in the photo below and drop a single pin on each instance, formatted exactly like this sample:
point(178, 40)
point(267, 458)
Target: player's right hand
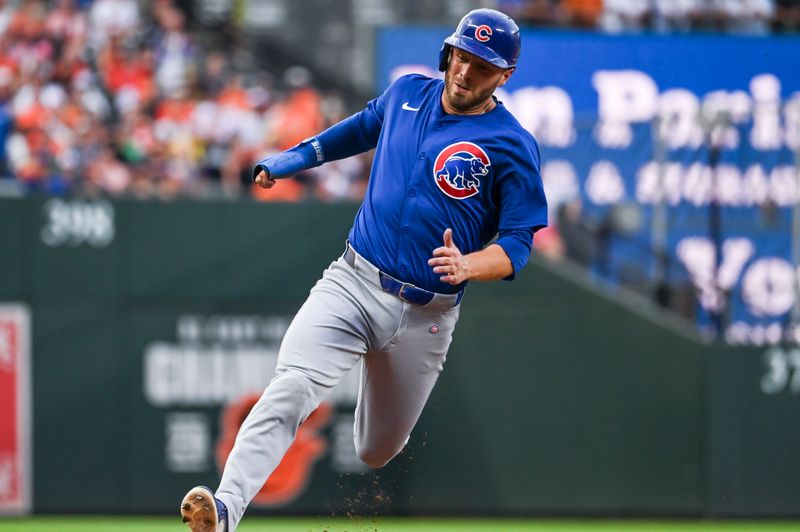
point(448, 261)
point(264, 180)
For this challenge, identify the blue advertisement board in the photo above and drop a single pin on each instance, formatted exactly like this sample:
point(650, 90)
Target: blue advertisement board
point(681, 151)
point(569, 60)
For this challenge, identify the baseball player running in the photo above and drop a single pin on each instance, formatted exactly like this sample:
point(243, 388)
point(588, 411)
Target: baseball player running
point(453, 169)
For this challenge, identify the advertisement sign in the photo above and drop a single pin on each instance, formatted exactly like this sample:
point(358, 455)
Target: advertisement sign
point(680, 152)
point(15, 409)
point(206, 380)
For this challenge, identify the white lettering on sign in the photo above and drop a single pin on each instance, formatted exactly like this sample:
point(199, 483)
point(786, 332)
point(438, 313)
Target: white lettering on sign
point(15, 409)
point(560, 183)
point(725, 110)
point(605, 185)
point(699, 257)
point(697, 184)
point(343, 449)
point(624, 97)
point(791, 118)
point(742, 333)
point(240, 330)
point(782, 371)
point(632, 96)
point(546, 112)
point(7, 349)
point(766, 131)
point(188, 442)
point(197, 375)
point(77, 222)
point(7, 477)
point(767, 282)
point(768, 287)
point(678, 125)
point(218, 359)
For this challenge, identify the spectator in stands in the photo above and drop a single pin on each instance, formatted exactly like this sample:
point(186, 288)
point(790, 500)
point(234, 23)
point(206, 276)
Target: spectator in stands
point(622, 15)
point(531, 12)
point(136, 138)
point(7, 11)
point(215, 73)
point(66, 26)
point(344, 179)
point(744, 16)
point(6, 116)
point(787, 16)
point(106, 173)
point(102, 97)
point(580, 240)
point(127, 74)
point(242, 130)
point(175, 53)
point(113, 18)
point(582, 13)
point(676, 15)
point(125, 83)
point(297, 116)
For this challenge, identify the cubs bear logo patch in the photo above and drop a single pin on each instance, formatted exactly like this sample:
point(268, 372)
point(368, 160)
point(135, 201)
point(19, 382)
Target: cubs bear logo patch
point(458, 169)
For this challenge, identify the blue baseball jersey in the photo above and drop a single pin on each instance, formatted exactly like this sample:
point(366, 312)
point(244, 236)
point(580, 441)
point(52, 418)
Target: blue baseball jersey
point(476, 174)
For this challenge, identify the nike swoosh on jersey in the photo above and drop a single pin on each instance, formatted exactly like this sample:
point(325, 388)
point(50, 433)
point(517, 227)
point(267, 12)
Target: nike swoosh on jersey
point(409, 108)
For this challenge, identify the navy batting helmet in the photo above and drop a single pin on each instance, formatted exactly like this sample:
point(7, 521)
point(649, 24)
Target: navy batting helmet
point(489, 34)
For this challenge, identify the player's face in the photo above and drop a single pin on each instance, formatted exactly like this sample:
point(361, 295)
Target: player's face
point(470, 81)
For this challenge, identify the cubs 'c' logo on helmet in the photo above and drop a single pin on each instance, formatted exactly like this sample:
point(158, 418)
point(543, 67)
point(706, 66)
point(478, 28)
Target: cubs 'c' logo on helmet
point(458, 169)
point(483, 33)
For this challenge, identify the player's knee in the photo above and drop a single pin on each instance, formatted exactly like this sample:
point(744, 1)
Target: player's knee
point(375, 460)
point(376, 456)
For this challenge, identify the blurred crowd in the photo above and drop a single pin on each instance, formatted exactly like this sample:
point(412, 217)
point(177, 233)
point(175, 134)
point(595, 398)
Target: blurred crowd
point(109, 97)
point(125, 97)
point(752, 17)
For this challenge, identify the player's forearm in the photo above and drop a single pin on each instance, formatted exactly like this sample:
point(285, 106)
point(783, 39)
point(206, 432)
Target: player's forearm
point(489, 264)
point(305, 155)
point(355, 134)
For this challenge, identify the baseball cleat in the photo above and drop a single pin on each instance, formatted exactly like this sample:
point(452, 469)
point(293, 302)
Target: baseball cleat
point(203, 512)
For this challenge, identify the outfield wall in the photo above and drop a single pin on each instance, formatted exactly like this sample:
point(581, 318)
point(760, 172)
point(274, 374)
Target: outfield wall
point(557, 398)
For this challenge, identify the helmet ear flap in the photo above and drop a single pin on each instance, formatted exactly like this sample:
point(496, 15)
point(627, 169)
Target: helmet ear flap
point(444, 57)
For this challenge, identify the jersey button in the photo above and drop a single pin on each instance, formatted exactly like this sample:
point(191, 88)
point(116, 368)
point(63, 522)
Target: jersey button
point(404, 230)
point(421, 156)
point(412, 192)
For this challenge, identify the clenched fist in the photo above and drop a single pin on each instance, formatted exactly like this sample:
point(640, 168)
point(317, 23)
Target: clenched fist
point(264, 180)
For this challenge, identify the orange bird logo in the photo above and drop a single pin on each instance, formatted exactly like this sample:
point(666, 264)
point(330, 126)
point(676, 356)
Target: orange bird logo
point(290, 479)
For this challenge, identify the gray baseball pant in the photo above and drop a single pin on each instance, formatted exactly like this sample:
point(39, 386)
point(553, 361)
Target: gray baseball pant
point(346, 318)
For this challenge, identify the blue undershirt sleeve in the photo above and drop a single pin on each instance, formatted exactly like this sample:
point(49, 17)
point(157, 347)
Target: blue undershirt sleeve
point(517, 244)
point(355, 134)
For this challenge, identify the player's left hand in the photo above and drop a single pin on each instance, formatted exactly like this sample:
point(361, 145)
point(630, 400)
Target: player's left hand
point(449, 261)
